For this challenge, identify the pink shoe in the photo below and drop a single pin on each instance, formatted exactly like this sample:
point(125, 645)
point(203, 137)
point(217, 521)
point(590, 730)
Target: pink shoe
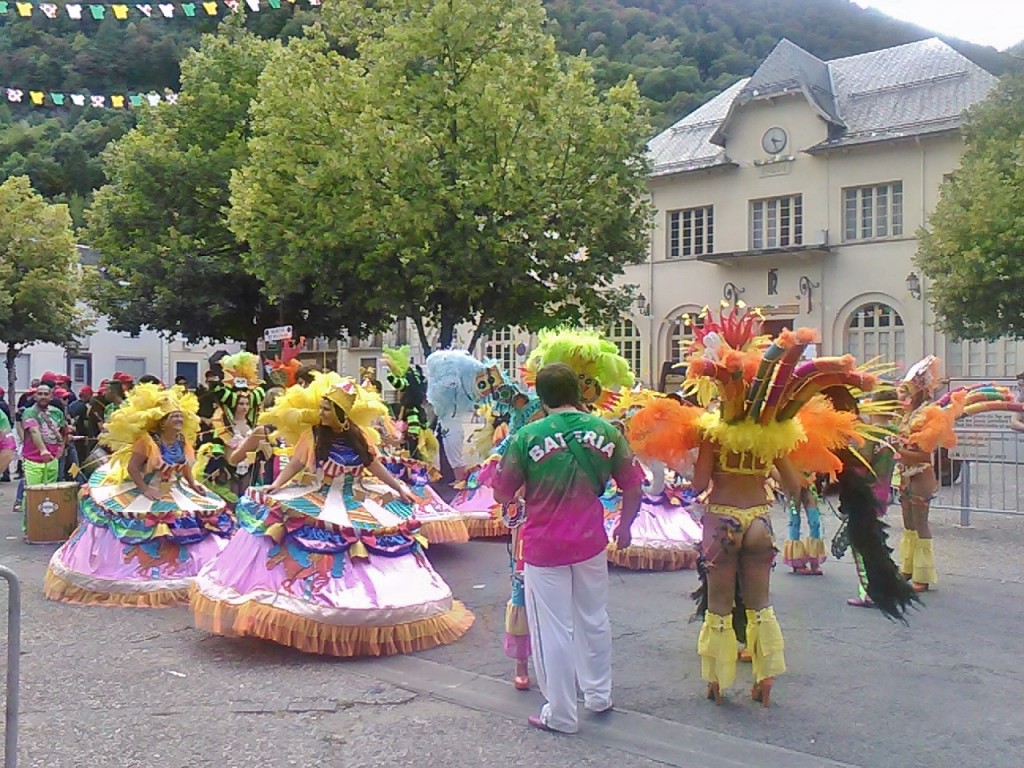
point(534, 721)
point(860, 602)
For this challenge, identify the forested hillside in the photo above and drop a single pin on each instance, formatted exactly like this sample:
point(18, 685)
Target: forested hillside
point(680, 52)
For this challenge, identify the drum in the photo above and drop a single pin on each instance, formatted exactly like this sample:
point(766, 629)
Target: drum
point(51, 512)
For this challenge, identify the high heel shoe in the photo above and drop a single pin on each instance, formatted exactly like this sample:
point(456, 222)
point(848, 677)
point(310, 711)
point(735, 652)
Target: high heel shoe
point(715, 693)
point(762, 691)
point(522, 682)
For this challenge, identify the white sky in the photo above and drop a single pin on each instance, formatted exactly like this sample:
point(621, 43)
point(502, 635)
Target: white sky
point(999, 23)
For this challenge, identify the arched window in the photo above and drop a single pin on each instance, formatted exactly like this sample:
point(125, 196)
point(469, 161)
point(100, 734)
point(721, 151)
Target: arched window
point(501, 346)
point(626, 337)
point(876, 330)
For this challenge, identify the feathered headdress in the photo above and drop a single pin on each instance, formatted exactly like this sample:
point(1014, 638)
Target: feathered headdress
point(285, 367)
point(144, 407)
point(597, 362)
point(735, 337)
point(923, 376)
point(298, 409)
point(457, 382)
point(242, 376)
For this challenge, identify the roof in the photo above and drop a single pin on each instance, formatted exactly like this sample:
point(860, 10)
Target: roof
point(909, 90)
point(686, 146)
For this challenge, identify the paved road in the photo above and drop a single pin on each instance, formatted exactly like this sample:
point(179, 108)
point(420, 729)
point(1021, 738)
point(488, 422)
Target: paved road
point(118, 688)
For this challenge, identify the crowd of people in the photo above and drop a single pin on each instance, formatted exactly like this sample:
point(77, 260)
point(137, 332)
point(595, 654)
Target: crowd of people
point(301, 512)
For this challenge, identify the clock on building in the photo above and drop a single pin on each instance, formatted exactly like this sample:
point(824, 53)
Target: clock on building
point(774, 141)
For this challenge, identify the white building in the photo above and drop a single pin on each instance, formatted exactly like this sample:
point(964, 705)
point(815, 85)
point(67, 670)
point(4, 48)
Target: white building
point(96, 357)
point(800, 190)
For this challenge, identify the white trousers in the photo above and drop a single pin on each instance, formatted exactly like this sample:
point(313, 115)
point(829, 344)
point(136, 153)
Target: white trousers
point(571, 637)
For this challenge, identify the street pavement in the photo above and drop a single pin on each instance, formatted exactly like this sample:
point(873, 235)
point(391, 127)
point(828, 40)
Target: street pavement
point(116, 688)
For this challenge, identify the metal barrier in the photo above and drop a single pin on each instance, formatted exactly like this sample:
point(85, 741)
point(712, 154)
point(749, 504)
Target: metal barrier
point(13, 666)
point(988, 466)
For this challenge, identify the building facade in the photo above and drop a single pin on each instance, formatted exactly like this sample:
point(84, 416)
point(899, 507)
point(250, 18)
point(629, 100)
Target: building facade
point(800, 190)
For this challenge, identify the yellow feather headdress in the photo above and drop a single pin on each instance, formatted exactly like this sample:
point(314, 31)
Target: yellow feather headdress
point(298, 409)
point(144, 407)
point(241, 370)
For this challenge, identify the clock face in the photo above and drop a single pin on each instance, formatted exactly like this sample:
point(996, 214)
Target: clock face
point(774, 141)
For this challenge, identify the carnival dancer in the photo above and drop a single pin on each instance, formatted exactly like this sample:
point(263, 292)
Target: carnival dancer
point(148, 525)
point(926, 427)
point(410, 381)
point(770, 416)
point(456, 384)
point(866, 483)
point(805, 557)
point(236, 416)
point(665, 536)
point(319, 564)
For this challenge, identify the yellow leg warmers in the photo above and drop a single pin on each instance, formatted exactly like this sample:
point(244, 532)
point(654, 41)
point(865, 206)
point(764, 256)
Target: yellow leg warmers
point(717, 647)
point(924, 563)
point(764, 640)
point(908, 547)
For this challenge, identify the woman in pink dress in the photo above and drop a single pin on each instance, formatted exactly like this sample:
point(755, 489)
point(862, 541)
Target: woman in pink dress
point(325, 564)
point(149, 526)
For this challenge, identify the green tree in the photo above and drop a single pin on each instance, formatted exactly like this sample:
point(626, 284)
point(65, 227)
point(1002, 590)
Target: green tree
point(168, 260)
point(38, 273)
point(458, 170)
point(974, 250)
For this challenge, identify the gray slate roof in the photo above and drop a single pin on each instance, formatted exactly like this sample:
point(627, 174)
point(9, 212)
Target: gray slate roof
point(908, 90)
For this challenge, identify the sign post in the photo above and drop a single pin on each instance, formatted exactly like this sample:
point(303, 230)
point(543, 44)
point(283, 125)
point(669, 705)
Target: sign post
point(280, 333)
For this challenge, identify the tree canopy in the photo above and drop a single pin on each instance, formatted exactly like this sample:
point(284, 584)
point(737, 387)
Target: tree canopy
point(38, 272)
point(973, 251)
point(457, 170)
point(168, 260)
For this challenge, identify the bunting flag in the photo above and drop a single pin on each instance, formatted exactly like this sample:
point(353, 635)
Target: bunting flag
point(125, 11)
point(31, 97)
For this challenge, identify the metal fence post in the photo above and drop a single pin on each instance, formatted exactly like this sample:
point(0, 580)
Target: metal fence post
point(965, 494)
point(13, 666)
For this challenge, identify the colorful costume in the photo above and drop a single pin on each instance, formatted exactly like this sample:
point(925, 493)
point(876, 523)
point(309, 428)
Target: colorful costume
point(805, 556)
point(457, 384)
point(410, 381)
point(770, 409)
point(130, 550)
point(324, 565)
point(926, 428)
point(665, 536)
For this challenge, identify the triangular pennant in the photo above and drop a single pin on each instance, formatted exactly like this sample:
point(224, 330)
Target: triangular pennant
point(210, 8)
point(135, 99)
point(274, 3)
point(120, 12)
point(37, 97)
point(167, 10)
point(189, 9)
point(232, 5)
point(117, 101)
point(153, 99)
point(3, 7)
point(171, 98)
point(146, 10)
point(98, 101)
point(74, 11)
point(254, 5)
point(315, 2)
point(49, 10)
point(57, 98)
point(13, 94)
point(24, 9)
point(78, 99)
point(98, 12)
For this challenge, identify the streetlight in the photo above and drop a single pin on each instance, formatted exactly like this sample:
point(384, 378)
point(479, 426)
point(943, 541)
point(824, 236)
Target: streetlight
point(914, 285)
point(643, 306)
